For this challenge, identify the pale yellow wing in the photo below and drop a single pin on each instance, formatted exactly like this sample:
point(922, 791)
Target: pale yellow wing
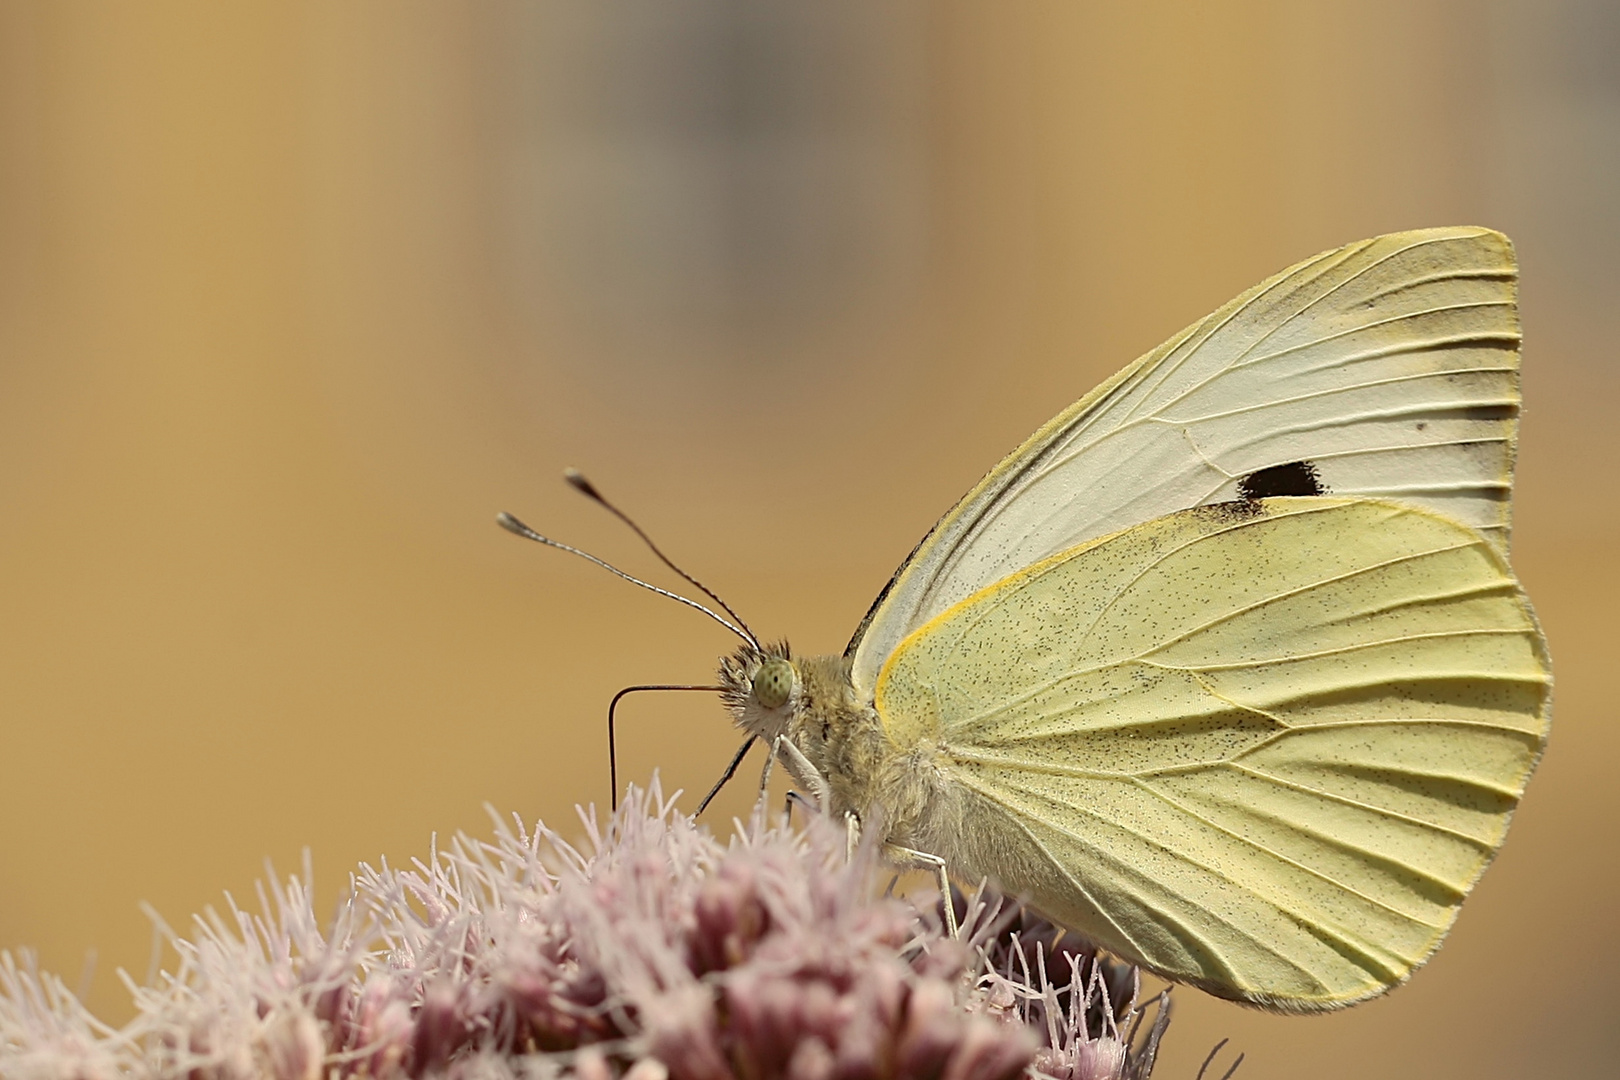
point(1387, 368)
point(1261, 747)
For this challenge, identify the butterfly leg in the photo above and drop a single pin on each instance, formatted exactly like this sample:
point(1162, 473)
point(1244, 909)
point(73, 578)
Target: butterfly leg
point(805, 773)
point(765, 772)
point(937, 865)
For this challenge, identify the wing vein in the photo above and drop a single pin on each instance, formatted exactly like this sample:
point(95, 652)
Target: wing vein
point(1288, 860)
point(1343, 650)
point(1332, 579)
point(1355, 276)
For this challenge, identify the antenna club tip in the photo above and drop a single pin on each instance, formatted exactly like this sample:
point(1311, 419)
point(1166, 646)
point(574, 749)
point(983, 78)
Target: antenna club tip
point(510, 523)
point(577, 481)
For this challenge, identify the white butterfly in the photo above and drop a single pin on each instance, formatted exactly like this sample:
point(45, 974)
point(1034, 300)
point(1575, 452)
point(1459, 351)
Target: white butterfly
point(1224, 668)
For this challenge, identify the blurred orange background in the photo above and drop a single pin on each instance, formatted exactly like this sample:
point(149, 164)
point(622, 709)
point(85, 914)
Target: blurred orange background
point(295, 296)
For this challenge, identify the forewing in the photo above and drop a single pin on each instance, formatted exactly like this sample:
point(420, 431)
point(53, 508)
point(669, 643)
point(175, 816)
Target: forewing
point(1388, 368)
point(1261, 747)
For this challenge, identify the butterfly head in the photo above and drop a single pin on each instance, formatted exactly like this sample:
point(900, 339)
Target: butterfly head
point(762, 688)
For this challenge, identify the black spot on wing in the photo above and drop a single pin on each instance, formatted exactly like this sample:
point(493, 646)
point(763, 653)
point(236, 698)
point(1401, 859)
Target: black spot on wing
point(1294, 478)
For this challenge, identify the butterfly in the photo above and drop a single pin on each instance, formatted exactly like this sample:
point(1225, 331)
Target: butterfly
point(1224, 669)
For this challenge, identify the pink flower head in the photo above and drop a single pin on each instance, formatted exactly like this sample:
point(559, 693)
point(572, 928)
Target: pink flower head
point(656, 952)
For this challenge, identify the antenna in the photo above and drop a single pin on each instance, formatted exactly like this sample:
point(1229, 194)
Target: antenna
point(579, 483)
point(513, 525)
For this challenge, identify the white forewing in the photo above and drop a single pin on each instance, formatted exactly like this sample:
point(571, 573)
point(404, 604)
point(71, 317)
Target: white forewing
point(1386, 368)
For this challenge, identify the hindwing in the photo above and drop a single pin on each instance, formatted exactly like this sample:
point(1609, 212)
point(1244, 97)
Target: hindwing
point(1265, 747)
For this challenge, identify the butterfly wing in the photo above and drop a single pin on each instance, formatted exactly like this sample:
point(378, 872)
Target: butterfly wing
point(1387, 368)
point(1264, 747)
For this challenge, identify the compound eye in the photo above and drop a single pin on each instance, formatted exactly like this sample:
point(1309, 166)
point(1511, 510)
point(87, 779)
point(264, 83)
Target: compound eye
point(773, 683)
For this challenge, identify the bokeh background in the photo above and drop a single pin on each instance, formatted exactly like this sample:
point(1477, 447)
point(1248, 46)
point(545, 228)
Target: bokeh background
point(295, 296)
